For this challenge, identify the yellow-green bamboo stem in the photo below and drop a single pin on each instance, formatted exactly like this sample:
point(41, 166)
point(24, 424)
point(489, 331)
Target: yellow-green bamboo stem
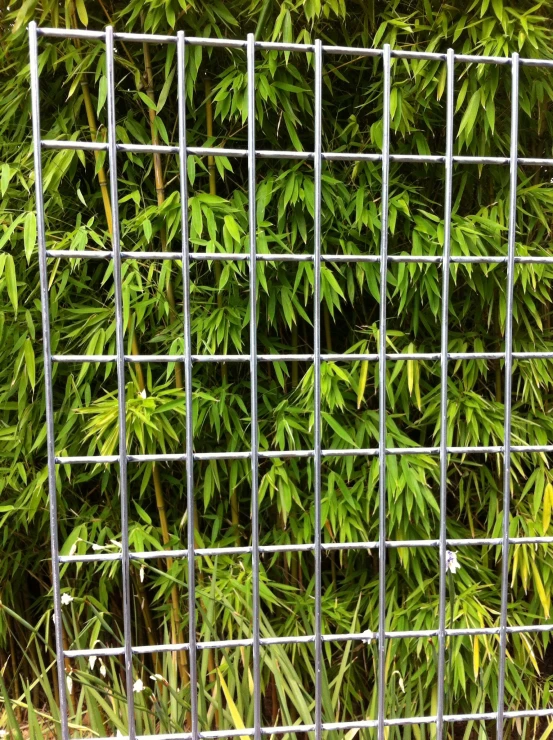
point(160, 194)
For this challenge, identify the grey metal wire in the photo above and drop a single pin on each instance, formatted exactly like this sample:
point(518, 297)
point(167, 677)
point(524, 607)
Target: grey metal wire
point(50, 436)
point(318, 65)
point(304, 639)
point(450, 104)
point(508, 400)
point(382, 393)
point(121, 404)
point(252, 217)
point(188, 456)
point(97, 146)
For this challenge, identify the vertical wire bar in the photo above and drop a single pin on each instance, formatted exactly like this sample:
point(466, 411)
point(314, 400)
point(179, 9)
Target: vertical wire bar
point(250, 59)
point(41, 233)
point(117, 279)
point(382, 395)
point(450, 68)
point(318, 69)
point(511, 245)
point(192, 669)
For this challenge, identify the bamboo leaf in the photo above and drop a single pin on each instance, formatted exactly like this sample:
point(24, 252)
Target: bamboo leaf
point(469, 118)
point(30, 362)
point(29, 234)
point(547, 506)
point(543, 596)
point(235, 714)
point(81, 12)
point(362, 382)
point(11, 280)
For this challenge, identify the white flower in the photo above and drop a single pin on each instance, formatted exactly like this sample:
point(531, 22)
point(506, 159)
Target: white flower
point(400, 681)
point(143, 393)
point(142, 574)
point(96, 547)
point(91, 662)
point(138, 686)
point(369, 636)
point(3, 733)
point(69, 681)
point(451, 562)
point(66, 599)
point(73, 549)
point(102, 668)
point(117, 544)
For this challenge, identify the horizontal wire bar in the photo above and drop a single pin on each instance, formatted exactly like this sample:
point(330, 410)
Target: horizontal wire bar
point(70, 33)
point(333, 258)
point(266, 454)
point(289, 357)
point(99, 146)
point(305, 639)
point(335, 726)
point(305, 547)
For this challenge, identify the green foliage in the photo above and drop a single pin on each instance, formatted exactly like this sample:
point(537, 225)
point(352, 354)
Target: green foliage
point(73, 87)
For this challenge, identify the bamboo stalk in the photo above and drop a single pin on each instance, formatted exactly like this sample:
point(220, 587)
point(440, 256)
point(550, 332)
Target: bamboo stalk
point(213, 191)
point(177, 635)
point(160, 193)
point(328, 329)
point(234, 505)
point(295, 364)
point(15, 672)
point(176, 627)
point(148, 621)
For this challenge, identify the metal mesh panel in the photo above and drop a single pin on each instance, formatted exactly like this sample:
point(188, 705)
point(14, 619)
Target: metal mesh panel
point(317, 453)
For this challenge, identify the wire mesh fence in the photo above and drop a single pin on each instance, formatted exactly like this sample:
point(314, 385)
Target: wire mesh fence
point(123, 458)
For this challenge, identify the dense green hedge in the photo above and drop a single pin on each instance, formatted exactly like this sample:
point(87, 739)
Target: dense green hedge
point(81, 303)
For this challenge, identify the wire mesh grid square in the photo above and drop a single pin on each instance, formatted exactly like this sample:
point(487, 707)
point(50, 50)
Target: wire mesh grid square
point(318, 548)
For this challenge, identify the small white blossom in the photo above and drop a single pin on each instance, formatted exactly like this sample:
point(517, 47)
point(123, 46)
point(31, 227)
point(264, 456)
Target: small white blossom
point(369, 636)
point(69, 681)
point(66, 599)
point(142, 574)
point(451, 562)
point(73, 549)
point(143, 393)
point(400, 681)
point(3, 733)
point(138, 686)
point(96, 547)
point(117, 544)
point(92, 662)
point(102, 668)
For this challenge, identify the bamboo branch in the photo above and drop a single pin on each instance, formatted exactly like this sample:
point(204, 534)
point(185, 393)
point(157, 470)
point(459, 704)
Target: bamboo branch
point(160, 192)
point(176, 627)
point(213, 191)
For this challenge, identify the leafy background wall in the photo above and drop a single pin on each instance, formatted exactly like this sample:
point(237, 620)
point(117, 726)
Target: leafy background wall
point(78, 213)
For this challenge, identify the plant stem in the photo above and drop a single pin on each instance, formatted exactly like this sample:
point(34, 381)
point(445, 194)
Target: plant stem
point(213, 190)
point(160, 192)
point(234, 505)
point(451, 621)
point(176, 623)
point(328, 332)
point(294, 351)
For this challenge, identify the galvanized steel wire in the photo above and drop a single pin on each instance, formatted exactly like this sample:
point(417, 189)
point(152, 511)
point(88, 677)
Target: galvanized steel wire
point(123, 458)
